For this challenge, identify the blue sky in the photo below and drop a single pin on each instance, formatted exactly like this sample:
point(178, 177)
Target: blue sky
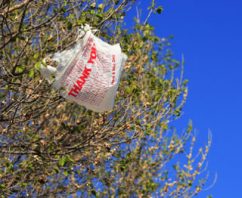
point(209, 35)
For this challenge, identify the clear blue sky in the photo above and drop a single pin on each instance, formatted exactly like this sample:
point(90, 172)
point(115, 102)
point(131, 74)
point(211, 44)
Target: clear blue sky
point(209, 34)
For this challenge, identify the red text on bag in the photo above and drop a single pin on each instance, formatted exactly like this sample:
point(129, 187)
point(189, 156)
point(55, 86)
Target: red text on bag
point(77, 87)
point(93, 54)
point(80, 82)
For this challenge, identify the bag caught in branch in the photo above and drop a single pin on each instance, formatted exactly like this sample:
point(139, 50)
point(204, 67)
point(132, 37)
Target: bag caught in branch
point(88, 73)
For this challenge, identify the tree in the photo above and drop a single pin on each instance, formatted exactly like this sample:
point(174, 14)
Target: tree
point(50, 147)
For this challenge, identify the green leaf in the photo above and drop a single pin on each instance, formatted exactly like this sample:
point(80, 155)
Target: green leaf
point(159, 10)
point(10, 167)
point(66, 173)
point(31, 73)
point(2, 186)
point(24, 184)
point(56, 169)
point(62, 161)
point(37, 66)
point(36, 56)
point(19, 69)
point(100, 6)
point(93, 5)
point(185, 82)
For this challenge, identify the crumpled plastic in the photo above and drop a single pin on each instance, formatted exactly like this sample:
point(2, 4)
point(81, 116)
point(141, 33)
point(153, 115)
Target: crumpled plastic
point(88, 73)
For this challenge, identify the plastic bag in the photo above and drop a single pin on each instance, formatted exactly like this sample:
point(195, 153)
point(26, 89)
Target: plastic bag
point(88, 73)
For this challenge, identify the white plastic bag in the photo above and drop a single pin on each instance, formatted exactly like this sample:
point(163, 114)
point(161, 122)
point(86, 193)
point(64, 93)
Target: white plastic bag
point(88, 73)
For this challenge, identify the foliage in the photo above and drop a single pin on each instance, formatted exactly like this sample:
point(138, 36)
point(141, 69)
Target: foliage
point(51, 147)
